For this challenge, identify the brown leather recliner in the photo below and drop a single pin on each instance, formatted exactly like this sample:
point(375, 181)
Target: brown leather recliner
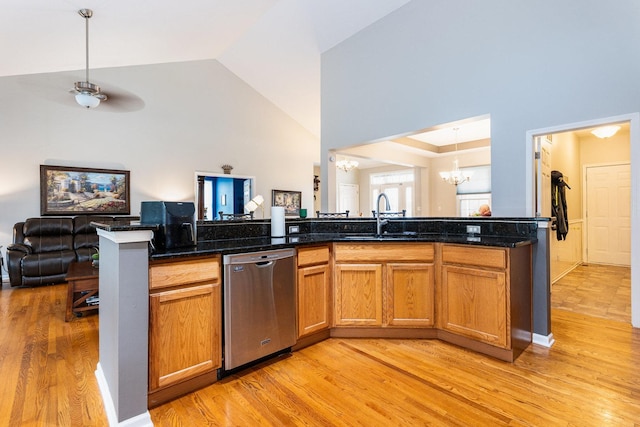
point(43, 248)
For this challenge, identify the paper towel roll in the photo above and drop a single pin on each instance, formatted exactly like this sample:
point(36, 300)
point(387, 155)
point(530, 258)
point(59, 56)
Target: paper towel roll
point(277, 221)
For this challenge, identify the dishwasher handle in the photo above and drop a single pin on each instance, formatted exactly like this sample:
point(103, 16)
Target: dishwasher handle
point(264, 264)
point(258, 257)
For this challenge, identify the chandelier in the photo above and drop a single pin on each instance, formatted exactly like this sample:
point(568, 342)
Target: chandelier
point(456, 176)
point(346, 165)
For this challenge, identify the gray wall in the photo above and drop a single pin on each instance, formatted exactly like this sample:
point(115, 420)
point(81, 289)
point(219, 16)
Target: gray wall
point(189, 116)
point(527, 64)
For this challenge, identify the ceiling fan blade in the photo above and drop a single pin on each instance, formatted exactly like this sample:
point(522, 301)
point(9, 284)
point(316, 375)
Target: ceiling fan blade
point(52, 87)
point(121, 101)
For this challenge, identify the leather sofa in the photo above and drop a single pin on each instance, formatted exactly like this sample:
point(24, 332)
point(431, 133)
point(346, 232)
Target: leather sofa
point(43, 248)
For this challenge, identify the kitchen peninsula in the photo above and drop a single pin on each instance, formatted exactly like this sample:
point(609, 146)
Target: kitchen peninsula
point(464, 281)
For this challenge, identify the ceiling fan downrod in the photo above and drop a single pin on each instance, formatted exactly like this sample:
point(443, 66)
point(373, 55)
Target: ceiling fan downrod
point(88, 95)
point(86, 14)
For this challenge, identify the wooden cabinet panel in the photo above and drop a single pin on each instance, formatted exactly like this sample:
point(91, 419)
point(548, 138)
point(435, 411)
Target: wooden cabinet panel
point(358, 294)
point(314, 285)
point(474, 255)
point(185, 272)
point(313, 255)
point(383, 252)
point(475, 304)
point(410, 294)
point(185, 334)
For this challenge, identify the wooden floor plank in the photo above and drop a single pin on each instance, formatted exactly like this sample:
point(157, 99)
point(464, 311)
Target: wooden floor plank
point(590, 377)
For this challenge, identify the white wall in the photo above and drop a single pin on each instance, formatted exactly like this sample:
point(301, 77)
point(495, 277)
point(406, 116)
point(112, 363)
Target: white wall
point(195, 116)
point(529, 65)
point(565, 255)
point(566, 151)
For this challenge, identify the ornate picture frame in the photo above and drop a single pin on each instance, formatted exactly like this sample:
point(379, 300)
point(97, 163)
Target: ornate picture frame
point(68, 190)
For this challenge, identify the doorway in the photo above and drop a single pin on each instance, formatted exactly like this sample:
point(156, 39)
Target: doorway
point(634, 136)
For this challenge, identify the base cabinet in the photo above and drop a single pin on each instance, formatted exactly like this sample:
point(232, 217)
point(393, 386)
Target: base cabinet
point(185, 342)
point(384, 285)
point(486, 296)
point(314, 290)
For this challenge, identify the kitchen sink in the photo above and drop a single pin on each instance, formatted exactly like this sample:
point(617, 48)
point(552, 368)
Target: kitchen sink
point(385, 236)
point(363, 237)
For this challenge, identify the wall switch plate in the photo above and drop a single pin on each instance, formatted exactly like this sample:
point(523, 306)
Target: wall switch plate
point(294, 229)
point(473, 229)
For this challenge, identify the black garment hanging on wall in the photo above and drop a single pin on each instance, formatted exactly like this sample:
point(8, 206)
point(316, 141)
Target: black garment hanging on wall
point(559, 204)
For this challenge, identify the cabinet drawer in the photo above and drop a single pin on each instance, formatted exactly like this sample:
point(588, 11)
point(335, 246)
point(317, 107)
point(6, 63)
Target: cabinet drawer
point(482, 257)
point(184, 272)
point(383, 252)
point(313, 255)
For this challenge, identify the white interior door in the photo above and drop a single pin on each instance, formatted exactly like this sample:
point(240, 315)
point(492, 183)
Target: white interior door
point(543, 176)
point(349, 199)
point(608, 200)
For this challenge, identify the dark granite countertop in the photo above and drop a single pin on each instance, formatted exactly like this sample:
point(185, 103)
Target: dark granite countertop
point(227, 237)
point(254, 244)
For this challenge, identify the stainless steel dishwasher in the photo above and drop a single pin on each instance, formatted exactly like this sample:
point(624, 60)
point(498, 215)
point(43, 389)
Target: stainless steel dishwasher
point(259, 305)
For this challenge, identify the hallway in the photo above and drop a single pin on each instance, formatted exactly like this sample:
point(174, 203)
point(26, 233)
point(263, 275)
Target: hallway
point(596, 290)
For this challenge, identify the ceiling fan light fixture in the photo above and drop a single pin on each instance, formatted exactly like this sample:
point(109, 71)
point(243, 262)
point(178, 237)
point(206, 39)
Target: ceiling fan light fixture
point(87, 100)
point(605, 131)
point(88, 95)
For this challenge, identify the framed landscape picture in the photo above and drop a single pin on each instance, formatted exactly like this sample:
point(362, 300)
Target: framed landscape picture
point(67, 190)
point(290, 200)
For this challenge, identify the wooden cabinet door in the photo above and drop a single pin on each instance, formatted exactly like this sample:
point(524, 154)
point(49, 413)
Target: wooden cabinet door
point(410, 295)
point(184, 334)
point(474, 304)
point(358, 295)
point(313, 299)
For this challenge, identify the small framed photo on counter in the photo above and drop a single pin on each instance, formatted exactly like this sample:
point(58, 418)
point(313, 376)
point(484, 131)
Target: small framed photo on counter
point(290, 200)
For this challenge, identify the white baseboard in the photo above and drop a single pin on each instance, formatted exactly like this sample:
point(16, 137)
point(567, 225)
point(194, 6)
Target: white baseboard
point(142, 420)
point(544, 340)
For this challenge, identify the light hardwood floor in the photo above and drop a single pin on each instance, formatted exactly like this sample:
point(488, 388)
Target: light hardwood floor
point(590, 377)
point(596, 290)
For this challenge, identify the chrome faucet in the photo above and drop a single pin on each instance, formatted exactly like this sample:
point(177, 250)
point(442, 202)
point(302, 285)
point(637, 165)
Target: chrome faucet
point(380, 222)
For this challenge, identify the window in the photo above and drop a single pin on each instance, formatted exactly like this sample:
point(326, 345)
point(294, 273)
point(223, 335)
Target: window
point(468, 204)
point(480, 181)
point(475, 192)
point(398, 186)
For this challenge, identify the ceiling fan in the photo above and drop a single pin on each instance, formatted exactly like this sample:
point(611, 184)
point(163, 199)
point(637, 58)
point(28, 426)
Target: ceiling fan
point(88, 94)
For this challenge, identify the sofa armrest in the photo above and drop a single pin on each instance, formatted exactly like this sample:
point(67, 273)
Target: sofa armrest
point(15, 254)
point(19, 247)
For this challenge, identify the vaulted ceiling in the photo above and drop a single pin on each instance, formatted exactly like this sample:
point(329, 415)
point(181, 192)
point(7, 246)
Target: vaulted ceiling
point(273, 45)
